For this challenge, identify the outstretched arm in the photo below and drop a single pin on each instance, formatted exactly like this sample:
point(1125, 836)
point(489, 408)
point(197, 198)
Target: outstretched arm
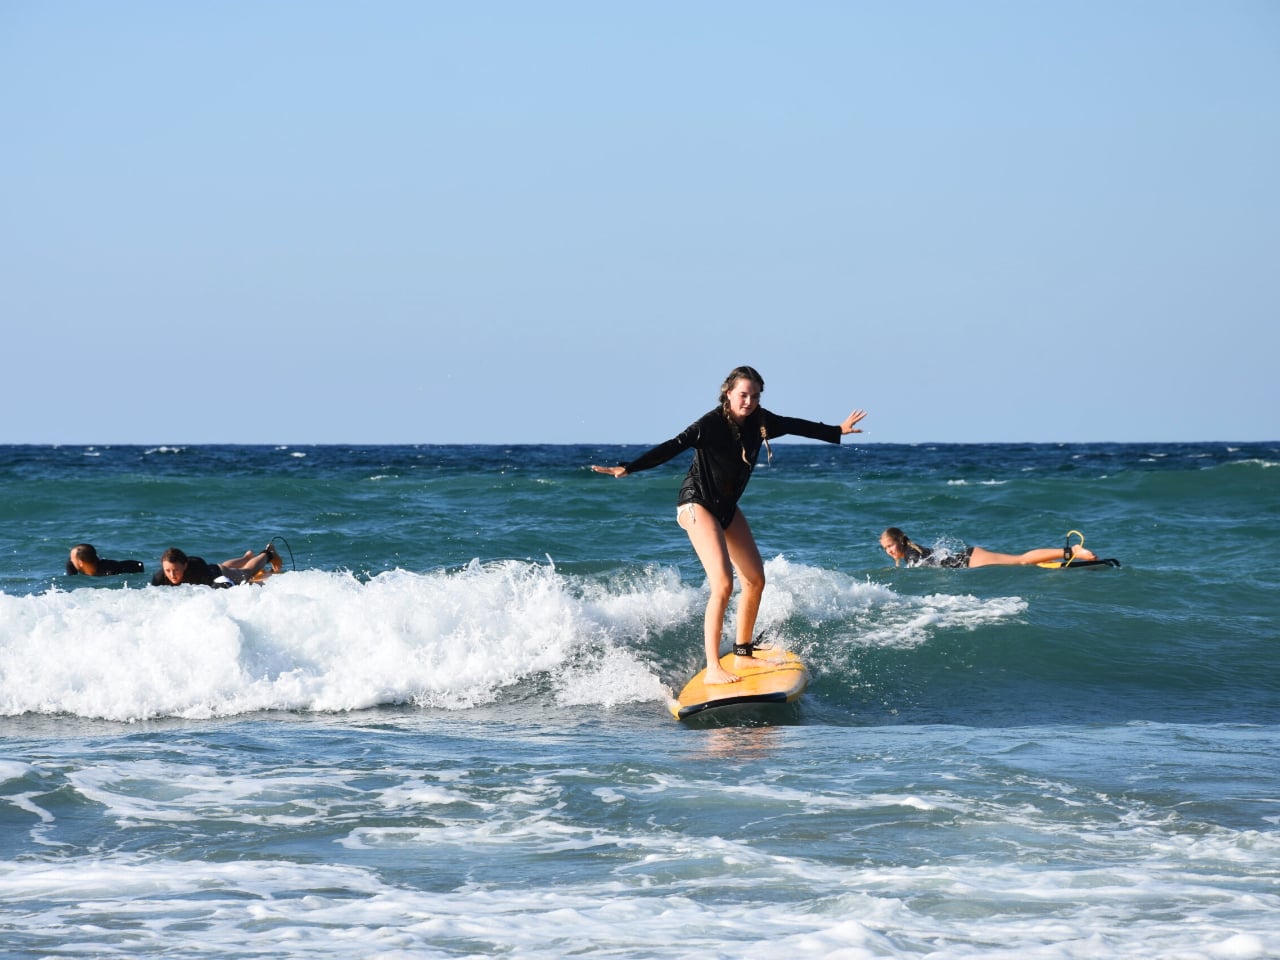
point(659, 454)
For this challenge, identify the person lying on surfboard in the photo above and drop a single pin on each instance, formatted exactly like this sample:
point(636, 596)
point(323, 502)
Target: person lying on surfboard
point(726, 443)
point(176, 568)
point(84, 559)
point(904, 550)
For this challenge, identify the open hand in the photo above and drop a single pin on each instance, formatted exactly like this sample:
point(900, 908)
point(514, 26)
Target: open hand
point(849, 421)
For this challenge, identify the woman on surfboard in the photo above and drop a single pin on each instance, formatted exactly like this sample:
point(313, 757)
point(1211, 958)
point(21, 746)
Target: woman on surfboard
point(726, 443)
point(176, 568)
point(905, 550)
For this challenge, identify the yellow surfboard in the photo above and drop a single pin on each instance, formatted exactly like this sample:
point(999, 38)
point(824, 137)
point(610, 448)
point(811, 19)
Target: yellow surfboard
point(1068, 564)
point(1078, 564)
point(772, 676)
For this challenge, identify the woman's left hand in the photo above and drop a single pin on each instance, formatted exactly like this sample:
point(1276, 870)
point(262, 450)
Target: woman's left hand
point(849, 421)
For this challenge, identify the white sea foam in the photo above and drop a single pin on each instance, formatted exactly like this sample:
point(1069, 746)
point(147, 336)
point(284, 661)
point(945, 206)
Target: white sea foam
point(320, 641)
point(392, 845)
point(866, 613)
point(952, 908)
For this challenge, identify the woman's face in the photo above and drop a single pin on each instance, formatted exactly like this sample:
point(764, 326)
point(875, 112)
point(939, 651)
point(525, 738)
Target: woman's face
point(743, 398)
point(174, 572)
point(891, 547)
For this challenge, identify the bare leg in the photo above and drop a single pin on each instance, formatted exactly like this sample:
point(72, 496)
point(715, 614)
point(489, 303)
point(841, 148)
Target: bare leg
point(247, 567)
point(750, 568)
point(982, 557)
point(712, 548)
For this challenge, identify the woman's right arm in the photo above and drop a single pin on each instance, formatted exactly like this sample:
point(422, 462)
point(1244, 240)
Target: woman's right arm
point(657, 455)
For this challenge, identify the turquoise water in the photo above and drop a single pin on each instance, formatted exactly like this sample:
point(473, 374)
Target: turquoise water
point(443, 733)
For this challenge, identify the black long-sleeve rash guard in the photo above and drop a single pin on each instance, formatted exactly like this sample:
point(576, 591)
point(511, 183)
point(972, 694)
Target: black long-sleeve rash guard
point(722, 462)
point(198, 572)
point(109, 568)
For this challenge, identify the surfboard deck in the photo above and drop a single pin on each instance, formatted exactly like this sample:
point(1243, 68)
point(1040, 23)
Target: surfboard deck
point(1074, 564)
point(762, 682)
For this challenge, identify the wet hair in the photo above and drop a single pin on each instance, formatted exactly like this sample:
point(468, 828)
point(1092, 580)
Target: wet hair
point(903, 542)
point(174, 555)
point(743, 373)
point(85, 552)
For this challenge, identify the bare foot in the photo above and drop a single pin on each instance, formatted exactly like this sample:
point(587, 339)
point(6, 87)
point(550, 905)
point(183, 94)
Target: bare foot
point(718, 674)
point(1078, 552)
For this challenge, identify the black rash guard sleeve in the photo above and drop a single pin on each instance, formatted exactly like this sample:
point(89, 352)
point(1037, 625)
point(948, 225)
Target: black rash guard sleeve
point(692, 435)
point(109, 568)
point(726, 455)
point(778, 426)
point(665, 451)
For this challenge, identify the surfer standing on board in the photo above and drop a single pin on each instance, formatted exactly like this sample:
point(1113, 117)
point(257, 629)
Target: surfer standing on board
point(726, 444)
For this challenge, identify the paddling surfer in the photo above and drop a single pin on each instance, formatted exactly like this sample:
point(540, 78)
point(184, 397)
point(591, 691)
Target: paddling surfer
point(84, 559)
point(905, 550)
point(176, 568)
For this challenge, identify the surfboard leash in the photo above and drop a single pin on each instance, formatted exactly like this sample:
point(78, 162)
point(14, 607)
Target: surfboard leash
point(1067, 555)
point(747, 649)
point(292, 564)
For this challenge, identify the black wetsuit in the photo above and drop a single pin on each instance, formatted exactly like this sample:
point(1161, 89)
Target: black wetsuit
point(923, 557)
point(109, 568)
point(198, 572)
point(723, 460)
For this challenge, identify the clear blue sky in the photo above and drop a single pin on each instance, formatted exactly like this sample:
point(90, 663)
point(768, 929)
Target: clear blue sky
point(498, 222)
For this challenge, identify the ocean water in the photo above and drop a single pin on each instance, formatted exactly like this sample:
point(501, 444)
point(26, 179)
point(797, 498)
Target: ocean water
point(443, 732)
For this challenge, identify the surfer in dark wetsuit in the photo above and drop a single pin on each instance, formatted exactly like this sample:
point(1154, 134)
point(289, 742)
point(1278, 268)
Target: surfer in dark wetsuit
point(726, 444)
point(905, 550)
point(84, 559)
point(176, 569)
